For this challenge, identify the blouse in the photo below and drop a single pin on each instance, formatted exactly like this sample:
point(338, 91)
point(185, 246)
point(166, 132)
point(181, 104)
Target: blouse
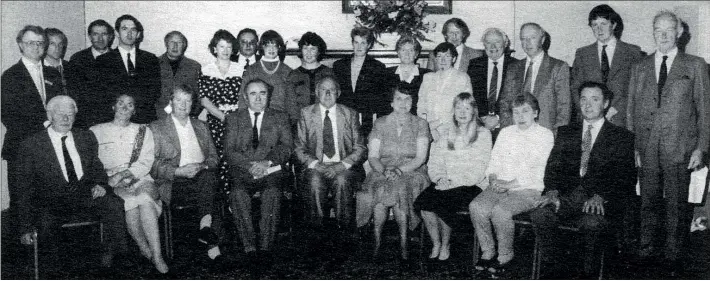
point(466, 164)
point(116, 146)
point(437, 92)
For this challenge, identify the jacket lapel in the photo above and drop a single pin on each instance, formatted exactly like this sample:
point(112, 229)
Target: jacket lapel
point(55, 168)
point(616, 59)
point(543, 75)
point(318, 127)
point(595, 61)
point(28, 80)
point(342, 119)
point(675, 71)
point(599, 145)
point(172, 134)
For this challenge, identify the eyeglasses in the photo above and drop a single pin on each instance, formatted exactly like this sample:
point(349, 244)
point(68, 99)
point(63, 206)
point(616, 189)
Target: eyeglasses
point(35, 43)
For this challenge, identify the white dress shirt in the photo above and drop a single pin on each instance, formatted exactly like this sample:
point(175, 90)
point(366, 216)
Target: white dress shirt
point(97, 53)
point(37, 72)
point(258, 122)
point(190, 151)
point(56, 139)
point(414, 72)
point(241, 64)
point(499, 79)
point(124, 56)
point(537, 61)
point(610, 47)
point(332, 113)
point(596, 127)
point(669, 61)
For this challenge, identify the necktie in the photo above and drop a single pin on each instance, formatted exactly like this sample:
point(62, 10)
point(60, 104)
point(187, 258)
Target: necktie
point(527, 85)
point(586, 149)
point(662, 75)
point(605, 65)
point(255, 132)
point(131, 67)
point(246, 64)
point(68, 163)
point(493, 89)
point(328, 142)
point(39, 83)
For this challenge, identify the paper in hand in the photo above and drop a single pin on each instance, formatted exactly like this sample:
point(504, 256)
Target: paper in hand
point(697, 185)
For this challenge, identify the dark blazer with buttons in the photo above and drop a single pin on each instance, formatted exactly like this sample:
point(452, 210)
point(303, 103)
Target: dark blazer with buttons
point(414, 85)
point(80, 73)
point(478, 71)
point(369, 96)
point(188, 72)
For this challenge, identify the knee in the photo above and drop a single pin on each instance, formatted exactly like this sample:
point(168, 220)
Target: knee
point(478, 210)
point(542, 216)
point(500, 214)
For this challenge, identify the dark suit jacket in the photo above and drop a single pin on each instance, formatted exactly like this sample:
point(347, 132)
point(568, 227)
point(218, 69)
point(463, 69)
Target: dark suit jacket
point(188, 72)
point(22, 110)
point(236, 56)
point(611, 170)
point(478, 71)
point(467, 55)
point(113, 79)
point(275, 142)
point(682, 122)
point(43, 183)
point(80, 73)
point(587, 67)
point(414, 85)
point(369, 95)
point(167, 152)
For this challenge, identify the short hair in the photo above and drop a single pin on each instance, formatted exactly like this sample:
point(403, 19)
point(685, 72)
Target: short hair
point(460, 24)
point(139, 26)
point(543, 34)
point(60, 99)
point(313, 39)
point(408, 40)
point(271, 36)
point(182, 87)
point(247, 30)
point(218, 36)
point(327, 77)
point(672, 15)
point(404, 89)
point(118, 96)
point(363, 32)
point(103, 23)
point(468, 98)
point(49, 32)
point(269, 87)
point(444, 47)
point(606, 12)
point(496, 31)
point(175, 33)
point(35, 29)
point(608, 94)
point(523, 99)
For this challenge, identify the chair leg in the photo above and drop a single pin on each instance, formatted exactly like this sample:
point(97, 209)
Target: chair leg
point(421, 246)
point(168, 225)
point(536, 260)
point(36, 254)
point(101, 232)
point(601, 265)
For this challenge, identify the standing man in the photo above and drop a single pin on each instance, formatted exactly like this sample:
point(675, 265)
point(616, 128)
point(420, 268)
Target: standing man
point(331, 147)
point(56, 49)
point(246, 55)
point(487, 76)
point(128, 69)
point(456, 32)
point(82, 70)
point(543, 76)
point(669, 110)
point(176, 69)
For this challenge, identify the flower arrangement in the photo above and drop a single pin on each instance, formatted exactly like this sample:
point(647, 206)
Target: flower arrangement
point(404, 17)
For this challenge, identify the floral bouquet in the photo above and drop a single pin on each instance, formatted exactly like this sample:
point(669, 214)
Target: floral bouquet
point(405, 17)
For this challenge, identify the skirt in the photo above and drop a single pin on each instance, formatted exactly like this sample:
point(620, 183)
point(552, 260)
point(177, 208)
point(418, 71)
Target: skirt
point(445, 203)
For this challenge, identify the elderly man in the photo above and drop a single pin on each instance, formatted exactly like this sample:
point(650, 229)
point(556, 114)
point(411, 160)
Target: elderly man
point(62, 176)
point(257, 144)
point(186, 164)
point(56, 49)
point(245, 54)
point(669, 110)
point(487, 76)
point(332, 149)
point(456, 32)
point(545, 77)
point(176, 69)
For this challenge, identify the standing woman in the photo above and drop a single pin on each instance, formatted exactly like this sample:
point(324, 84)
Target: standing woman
point(303, 79)
point(219, 93)
point(408, 72)
point(441, 85)
point(457, 165)
point(397, 148)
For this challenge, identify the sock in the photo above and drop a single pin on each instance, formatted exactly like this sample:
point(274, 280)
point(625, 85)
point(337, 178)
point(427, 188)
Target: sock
point(206, 221)
point(213, 253)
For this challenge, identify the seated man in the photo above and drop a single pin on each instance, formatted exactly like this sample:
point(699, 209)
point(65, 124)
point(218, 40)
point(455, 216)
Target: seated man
point(62, 177)
point(589, 175)
point(330, 146)
point(186, 162)
point(257, 141)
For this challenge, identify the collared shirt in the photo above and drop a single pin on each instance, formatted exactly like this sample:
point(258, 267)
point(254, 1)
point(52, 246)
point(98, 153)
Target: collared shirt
point(37, 72)
point(332, 113)
point(124, 56)
point(610, 47)
point(258, 122)
point(459, 50)
point(596, 127)
point(499, 79)
point(97, 53)
point(413, 73)
point(56, 139)
point(537, 61)
point(47, 63)
point(190, 151)
point(669, 62)
point(242, 63)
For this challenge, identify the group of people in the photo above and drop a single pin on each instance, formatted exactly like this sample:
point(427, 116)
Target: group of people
point(477, 131)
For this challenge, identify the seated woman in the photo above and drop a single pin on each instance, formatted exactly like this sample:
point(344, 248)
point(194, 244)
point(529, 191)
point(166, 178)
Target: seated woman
point(397, 147)
point(457, 165)
point(126, 151)
point(515, 175)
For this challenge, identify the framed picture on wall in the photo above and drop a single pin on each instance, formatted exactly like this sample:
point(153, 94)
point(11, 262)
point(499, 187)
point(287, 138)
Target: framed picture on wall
point(433, 7)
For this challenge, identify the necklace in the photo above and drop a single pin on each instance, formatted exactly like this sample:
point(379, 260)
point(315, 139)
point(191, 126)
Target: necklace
point(270, 72)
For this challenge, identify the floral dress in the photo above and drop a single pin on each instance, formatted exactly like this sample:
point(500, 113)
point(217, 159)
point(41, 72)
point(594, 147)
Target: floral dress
point(223, 92)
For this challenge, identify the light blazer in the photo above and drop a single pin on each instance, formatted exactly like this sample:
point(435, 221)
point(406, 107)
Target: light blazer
point(275, 142)
point(309, 143)
point(586, 67)
point(683, 121)
point(188, 72)
point(167, 152)
point(478, 71)
point(551, 90)
point(466, 56)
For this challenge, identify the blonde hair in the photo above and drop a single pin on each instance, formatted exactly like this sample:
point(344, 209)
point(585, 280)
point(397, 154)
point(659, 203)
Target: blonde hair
point(471, 131)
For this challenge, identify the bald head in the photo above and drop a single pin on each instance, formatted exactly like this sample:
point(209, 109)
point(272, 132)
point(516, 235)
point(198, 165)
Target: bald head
point(61, 111)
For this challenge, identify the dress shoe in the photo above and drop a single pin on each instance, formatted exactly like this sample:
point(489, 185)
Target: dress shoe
point(208, 237)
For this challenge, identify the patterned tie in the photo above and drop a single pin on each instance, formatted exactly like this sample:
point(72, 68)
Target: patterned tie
point(605, 65)
point(68, 163)
point(131, 67)
point(662, 75)
point(246, 64)
point(527, 85)
point(255, 132)
point(328, 142)
point(493, 89)
point(586, 149)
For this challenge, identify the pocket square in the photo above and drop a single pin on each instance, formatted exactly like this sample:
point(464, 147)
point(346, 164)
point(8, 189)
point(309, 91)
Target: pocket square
point(48, 82)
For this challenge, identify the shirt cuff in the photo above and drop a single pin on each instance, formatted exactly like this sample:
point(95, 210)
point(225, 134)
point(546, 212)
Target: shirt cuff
point(347, 166)
point(312, 164)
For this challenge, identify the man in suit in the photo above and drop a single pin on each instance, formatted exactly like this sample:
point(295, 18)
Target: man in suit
point(127, 69)
point(257, 144)
point(669, 110)
point(331, 147)
point(545, 77)
point(361, 78)
point(82, 70)
point(176, 69)
point(245, 53)
point(26, 87)
point(608, 61)
point(487, 76)
point(62, 176)
point(589, 176)
point(456, 32)
point(186, 164)
point(56, 49)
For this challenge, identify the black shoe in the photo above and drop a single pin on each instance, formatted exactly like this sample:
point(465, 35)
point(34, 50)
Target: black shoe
point(218, 264)
point(498, 270)
point(482, 264)
point(208, 237)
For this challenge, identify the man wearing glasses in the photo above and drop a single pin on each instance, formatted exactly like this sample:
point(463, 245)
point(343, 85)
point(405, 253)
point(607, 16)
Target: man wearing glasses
point(26, 88)
point(247, 40)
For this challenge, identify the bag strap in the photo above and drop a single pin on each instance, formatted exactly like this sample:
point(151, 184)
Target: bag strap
point(138, 144)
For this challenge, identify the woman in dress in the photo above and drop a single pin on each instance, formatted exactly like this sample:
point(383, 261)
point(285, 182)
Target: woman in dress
point(441, 85)
point(457, 165)
point(408, 72)
point(398, 146)
point(126, 151)
point(219, 93)
point(303, 79)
